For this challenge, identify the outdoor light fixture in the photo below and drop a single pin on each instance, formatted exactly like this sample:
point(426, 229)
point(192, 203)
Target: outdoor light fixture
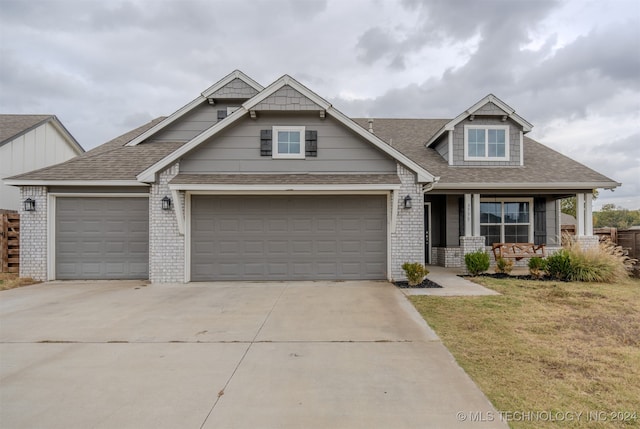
point(407, 202)
point(166, 203)
point(29, 205)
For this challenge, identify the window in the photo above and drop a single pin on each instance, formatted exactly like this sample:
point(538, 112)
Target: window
point(506, 221)
point(486, 143)
point(288, 142)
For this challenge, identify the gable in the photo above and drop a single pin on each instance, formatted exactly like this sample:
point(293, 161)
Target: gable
point(236, 89)
point(287, 99)
point(491, 109)
point(237, 149)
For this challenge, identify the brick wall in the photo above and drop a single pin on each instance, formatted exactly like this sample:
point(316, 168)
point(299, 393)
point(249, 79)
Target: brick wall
point(166, 244)
point(407, 243)
point(33, 234)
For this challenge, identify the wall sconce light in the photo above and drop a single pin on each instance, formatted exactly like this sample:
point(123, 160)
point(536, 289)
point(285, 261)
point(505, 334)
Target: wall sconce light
point(166, 203)
point(407, 202)
point(29, 205)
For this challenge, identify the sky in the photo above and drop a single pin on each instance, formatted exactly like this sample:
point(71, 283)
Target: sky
point(571, 68)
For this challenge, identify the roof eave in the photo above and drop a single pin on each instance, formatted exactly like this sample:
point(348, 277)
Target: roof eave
point(44, 182)
point(527, 186)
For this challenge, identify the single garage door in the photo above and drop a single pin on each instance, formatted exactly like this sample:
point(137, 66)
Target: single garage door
point(288, 237)
point(102, 238)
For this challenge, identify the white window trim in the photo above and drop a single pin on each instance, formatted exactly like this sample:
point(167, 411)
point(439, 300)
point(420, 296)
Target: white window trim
point(274, 143)
point(486, 142)
point(531, 222)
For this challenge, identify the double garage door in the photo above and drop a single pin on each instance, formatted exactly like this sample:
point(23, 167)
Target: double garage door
point(288, 237)
point(102, 238)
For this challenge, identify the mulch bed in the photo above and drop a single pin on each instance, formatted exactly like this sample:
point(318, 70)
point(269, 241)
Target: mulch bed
point(426, 283)
point(509, 276)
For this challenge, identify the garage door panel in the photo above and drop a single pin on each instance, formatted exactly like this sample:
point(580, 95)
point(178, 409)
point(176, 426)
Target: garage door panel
point(291, 237)
point(102, 238)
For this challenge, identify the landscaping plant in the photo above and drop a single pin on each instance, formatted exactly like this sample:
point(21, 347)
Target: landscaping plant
point(504, 266)
point(558, 265)
point(477, 262)
point(537, 266)
point(415, 272)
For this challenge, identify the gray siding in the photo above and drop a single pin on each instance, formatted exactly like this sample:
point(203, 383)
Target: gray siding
point(514, 142)
point(453, 220)
point(553, 231)
point(490, 109)
point(287, 98)
point(238, 150)
point(193, 123)
point(236, 89)
point(443, 147)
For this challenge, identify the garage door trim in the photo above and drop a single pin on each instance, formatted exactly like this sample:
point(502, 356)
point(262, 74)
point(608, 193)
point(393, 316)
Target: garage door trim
point(389, 193)
point(51, 220)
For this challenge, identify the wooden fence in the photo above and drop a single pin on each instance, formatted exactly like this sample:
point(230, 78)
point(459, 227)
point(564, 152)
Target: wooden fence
point(627, 238)
point(9, 242)
point(630, 239)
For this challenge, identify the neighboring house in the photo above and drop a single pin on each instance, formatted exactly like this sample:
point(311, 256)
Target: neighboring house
point(254, 183)
point(28, 142)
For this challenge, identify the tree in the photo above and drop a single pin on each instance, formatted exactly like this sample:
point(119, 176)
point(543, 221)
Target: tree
point(568, 205)
point(616, 217)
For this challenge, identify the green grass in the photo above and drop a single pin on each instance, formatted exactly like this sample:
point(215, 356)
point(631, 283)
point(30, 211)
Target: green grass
point(547, 346)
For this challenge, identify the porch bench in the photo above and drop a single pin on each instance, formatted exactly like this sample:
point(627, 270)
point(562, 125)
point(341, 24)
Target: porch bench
point(517, 251)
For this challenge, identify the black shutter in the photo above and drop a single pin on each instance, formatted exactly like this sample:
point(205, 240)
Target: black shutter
point(222, 114)
point(539, 220)
point(265, 143)
point(311, 143)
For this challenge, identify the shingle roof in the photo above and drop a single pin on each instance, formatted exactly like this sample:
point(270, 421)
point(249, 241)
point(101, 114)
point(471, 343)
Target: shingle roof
point(110, 161)
point(115, 161)
point(13, 125)
point(286, 179)
point(541, 163)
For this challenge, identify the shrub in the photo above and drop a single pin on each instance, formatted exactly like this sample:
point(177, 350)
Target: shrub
point(415, 272)
point(606, 263)
point(476, 262)
point(558, 265)
point(504, 266)
point(537, 266)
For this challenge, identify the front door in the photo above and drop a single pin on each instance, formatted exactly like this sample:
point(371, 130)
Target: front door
point(427, 231)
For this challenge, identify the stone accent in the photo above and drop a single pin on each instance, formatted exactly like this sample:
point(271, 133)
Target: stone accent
point(33, 234)
point(287, 98)
point(470, 245)
point(237, 88)
point(450, 257)
point(587, 241)
point(166, 244)
point(407, 243)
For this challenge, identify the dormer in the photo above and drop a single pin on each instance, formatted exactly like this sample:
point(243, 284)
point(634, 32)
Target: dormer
point(488, 134)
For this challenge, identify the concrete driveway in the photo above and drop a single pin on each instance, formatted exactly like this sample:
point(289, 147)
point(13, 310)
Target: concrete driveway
point(227, 355)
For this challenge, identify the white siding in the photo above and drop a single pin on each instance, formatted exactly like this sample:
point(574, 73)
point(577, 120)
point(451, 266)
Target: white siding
point(40, 147)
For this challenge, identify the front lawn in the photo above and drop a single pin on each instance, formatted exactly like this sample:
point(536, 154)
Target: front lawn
point(550, 347)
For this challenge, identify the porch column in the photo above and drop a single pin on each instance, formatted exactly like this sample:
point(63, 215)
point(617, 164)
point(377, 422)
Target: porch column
point(468, 218)
point(588, 214)
point(579, 215)
point(476, 215)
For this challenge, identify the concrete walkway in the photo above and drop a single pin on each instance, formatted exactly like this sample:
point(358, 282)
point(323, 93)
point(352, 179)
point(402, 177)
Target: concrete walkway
point(452, 284)
point(227, 355)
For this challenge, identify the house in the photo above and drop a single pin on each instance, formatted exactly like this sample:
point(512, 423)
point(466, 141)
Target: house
point(254, 183)
point(28, 142)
